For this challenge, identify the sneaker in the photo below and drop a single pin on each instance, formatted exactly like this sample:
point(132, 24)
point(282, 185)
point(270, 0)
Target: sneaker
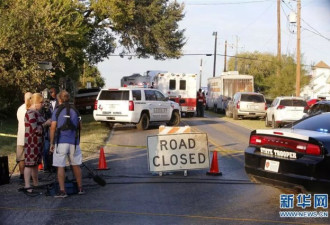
point(61, 194)
point(81, 191)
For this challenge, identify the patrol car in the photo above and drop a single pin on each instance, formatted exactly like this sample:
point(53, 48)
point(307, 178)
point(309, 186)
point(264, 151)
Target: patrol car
point(296, 157)
point(135, 105)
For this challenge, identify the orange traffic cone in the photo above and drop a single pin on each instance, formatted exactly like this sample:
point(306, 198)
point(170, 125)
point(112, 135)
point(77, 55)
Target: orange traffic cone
point(102, 161)
point(214, 170)
point(40, 167)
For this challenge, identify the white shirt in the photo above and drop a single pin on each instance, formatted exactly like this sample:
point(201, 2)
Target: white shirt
point(21, 111)
point(53, 102)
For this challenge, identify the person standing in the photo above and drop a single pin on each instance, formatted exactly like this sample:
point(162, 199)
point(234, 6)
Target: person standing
point(47, 157)
point(20, 134)
point(53, 99)
point(33, 144)
point(65, 127)
point(200, 103)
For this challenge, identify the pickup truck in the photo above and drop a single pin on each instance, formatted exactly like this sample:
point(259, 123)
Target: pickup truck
point(85, 98)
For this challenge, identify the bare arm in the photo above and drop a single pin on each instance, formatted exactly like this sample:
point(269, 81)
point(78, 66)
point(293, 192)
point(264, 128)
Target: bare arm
point(52, 135)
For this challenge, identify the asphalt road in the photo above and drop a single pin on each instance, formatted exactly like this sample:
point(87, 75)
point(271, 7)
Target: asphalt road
point(133, 195)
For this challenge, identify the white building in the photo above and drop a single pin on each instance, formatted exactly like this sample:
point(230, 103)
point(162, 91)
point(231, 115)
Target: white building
point(319, 85)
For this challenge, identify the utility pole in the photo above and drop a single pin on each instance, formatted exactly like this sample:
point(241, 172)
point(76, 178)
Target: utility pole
point(215, 51)
point(200, 73)
point(236, 53)
point(278, 37)
point(225, 63)
point(298, 49)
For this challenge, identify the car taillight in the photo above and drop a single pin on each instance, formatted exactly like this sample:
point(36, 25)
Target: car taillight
point(266, 106)
point(313, 149)
point(297, 146)
point(131, 106)
point(280, 107)
point(95, 105)
point(237, 105)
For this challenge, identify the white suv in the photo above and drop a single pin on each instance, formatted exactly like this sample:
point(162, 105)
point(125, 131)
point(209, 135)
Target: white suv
point(135, 105)
point(284, 110)
point(247, 104)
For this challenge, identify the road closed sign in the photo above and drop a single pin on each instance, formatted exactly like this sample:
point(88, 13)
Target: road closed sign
point(170, 152)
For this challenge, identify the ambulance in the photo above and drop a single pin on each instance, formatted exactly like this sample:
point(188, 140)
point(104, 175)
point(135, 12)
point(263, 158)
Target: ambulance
point(180, 87)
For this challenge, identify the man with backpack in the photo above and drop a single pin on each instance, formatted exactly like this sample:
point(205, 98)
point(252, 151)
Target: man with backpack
point(64, 141)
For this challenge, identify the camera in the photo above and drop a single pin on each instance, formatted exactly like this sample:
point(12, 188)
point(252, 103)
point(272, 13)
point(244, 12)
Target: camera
point(46, 110)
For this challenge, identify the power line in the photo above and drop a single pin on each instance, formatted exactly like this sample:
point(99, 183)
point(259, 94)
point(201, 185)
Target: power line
point(316, 32)
point(218, 54)
point(229, 3)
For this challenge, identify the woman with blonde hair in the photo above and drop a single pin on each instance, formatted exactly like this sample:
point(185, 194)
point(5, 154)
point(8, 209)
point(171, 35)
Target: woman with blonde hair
point(21, 133)
point(33, 144)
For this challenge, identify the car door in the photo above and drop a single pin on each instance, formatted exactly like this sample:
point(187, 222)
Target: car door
point(271, 109)
point(163, 107)
point(151, 101)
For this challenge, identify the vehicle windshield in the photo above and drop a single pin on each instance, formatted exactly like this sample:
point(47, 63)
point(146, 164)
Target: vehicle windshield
point(252, 98)
point(293, 102)
point(114, 95)
point(315, 123)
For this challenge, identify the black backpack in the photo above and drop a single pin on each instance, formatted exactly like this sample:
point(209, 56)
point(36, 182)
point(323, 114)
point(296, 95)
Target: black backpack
point(68, 125)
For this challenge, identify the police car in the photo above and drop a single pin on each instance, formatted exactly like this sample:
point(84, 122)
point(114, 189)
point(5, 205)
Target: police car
point(135, 105)
point(296, 157)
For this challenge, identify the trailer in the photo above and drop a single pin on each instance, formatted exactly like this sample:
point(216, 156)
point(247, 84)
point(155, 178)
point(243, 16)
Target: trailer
point(222, 88)
point(181, 88)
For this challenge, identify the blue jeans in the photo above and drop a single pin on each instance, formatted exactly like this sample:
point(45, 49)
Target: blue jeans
point(46, 156)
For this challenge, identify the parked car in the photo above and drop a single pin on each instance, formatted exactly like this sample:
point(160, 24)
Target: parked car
point(297, 157)
point(284, 110)
point(319, 107)
point(246, 104)
point(311, 102)
point(135, 105)
point(85, 98)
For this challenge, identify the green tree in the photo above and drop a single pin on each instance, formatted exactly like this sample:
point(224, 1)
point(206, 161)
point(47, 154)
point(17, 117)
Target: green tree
point(35, 31)
point(263, 67)
point(91, 74)
point(69, 33)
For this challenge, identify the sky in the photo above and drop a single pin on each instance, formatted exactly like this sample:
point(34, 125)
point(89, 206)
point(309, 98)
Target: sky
point(251, 25)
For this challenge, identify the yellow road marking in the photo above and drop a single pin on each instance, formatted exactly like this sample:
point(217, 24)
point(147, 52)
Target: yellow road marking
point(8, 135)
point(264, 221)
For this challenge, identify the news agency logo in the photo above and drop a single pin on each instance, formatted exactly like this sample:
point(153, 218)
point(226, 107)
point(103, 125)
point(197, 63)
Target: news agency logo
point(287, 201)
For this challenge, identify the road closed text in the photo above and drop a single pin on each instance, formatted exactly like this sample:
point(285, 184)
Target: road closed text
point(178, 152)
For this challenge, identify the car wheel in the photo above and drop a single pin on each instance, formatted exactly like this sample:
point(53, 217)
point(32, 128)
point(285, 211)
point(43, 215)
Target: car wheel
point(111, 125)
point(267, 122)
point(143, 123)
point(228, 114)
point(175, 119)
point(235, 116)
point(274, 125)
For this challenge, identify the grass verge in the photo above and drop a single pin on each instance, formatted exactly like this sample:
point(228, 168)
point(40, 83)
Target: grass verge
point(93, 136)
point(251, 124)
